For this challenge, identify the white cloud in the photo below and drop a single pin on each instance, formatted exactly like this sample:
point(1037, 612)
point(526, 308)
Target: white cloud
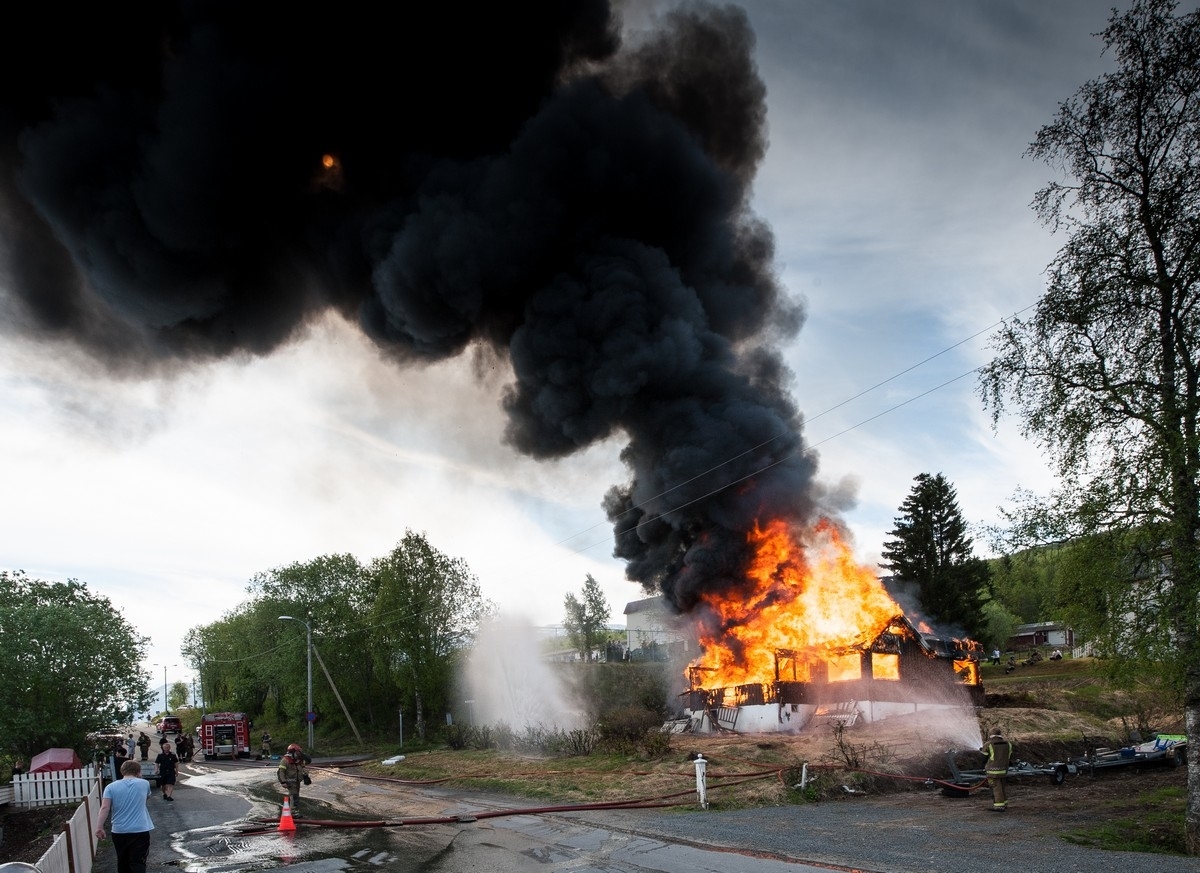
point(321, 449)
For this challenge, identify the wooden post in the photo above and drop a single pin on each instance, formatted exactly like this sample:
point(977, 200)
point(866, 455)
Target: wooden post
point(338, 696)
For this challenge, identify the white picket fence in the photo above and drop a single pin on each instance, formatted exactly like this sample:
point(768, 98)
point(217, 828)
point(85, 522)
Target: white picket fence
point(74, 850)
point(55, 788)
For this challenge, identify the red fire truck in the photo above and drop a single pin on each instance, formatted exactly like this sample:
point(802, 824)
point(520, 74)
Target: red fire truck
point(225, 735)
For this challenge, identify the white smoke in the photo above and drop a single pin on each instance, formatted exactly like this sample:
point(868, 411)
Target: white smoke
point(510, 681)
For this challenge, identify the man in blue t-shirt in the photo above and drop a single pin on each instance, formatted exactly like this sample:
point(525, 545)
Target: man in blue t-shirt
point(131, 824)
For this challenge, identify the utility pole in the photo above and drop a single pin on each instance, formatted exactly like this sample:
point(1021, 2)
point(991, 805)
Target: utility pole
point(308, 715)
point(166, 707)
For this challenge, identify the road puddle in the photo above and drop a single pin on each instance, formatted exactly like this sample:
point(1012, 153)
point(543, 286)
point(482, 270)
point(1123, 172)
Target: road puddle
point(325, 839)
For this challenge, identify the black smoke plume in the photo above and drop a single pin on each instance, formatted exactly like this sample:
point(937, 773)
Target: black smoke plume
point(187, 181)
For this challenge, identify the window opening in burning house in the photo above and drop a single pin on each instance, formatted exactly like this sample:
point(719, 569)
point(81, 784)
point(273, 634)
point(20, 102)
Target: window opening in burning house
point(967, 671)
point(884, 666)
point(845, 668)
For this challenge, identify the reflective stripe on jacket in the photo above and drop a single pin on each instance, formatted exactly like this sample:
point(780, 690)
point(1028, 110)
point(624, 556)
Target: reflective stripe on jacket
point(290, 772)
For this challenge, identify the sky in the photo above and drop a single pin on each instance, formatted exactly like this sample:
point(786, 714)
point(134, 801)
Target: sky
point(899, 197)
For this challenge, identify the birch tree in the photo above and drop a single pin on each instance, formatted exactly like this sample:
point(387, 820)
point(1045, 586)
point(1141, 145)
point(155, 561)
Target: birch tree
point(1105, 374)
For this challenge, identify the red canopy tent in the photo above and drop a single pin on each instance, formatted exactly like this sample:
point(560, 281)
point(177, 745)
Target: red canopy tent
point(55, 759)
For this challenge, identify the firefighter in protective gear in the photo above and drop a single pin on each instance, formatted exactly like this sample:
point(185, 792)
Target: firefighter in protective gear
point(999, 755)
point(293, 772)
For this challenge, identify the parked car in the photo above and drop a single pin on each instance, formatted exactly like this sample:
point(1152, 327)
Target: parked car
point(169, 724)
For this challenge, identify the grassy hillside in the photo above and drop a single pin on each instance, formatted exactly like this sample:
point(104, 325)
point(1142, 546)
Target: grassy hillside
point(1064, 701)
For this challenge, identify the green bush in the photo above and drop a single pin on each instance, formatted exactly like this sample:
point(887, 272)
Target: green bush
point(578, 743)
point(656, 743)
point(621, 685)
point(503, 736)
point(623, 730)
point(481, 737)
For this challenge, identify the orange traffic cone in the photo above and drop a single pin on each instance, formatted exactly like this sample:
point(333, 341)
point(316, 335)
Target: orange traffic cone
point(286, 822)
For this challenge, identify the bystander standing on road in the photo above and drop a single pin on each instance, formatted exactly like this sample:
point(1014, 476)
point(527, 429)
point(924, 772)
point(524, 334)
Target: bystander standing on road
point(131, 822)
point(119, 759)
point(164, 766)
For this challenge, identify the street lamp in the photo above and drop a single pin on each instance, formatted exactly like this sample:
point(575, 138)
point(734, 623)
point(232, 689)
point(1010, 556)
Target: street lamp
point(307, 715)
point(166, 708)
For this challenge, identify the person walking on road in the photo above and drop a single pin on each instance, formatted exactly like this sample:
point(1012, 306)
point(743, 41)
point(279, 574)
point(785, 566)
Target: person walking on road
point(265, 751)
point(143, 744)
point(131, 822)
point(999, 754)
point(119, 759)
point(165, 765)
point(292, 772)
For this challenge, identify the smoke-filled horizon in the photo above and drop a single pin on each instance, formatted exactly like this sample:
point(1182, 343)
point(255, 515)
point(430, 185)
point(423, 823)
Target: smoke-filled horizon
point(184, 183)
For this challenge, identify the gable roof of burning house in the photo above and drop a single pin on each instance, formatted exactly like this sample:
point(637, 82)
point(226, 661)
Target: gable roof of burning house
point(891, 634)
point(894, 636)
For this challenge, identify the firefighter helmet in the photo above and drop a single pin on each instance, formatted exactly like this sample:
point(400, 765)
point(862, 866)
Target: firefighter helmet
point(295, 747)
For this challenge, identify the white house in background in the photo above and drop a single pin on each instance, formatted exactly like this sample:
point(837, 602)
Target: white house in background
point(650, 625)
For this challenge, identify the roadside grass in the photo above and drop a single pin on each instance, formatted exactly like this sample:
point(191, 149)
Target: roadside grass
point(740, 773)
point(1152, 821)
point(1046, 670)
point(595, 778)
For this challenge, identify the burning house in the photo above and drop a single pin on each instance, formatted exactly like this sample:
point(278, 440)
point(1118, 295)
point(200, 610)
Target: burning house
point(896, 672)
point(813, 635)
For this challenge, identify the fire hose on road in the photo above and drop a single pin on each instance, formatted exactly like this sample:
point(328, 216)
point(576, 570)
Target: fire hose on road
point(658, 802)
point(727, 780)
point(642, 803)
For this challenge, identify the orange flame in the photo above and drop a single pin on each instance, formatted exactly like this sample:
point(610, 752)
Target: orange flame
point(810, 596)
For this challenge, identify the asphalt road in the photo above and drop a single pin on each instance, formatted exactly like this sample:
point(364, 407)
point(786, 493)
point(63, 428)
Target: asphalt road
point(225, 819)
point(195, 809)
point(911, 833)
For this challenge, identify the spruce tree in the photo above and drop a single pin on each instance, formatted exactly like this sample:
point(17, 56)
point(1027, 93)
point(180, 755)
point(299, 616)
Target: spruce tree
point(931, 549)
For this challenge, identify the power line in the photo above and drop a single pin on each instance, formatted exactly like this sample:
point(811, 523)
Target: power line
point(752, 449)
